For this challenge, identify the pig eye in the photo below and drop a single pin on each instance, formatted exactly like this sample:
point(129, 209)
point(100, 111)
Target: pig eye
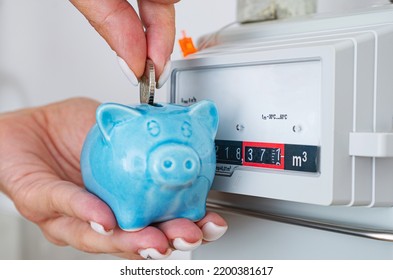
point(153, 128)
point(186, 129)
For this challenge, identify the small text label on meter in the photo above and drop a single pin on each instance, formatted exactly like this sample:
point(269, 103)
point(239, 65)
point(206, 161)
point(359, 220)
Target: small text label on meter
point(301, 158)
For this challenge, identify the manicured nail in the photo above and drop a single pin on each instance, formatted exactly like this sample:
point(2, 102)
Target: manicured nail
point(182, 245)
point(212, 232)
point(100, 229)
point(165, 74)
point(127, 71)
point(153, 254)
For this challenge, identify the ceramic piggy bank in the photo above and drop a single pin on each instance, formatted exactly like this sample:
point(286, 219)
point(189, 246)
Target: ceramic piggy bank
point(151, 163)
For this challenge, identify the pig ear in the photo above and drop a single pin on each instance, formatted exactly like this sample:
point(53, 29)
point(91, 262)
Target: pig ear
point(206, 112)
point(108, 115)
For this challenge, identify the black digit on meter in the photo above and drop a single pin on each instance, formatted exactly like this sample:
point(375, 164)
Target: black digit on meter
point(229, 152)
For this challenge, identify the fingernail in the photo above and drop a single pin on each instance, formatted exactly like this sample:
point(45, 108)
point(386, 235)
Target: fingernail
point(165, 74)
point(100, 229)
point(182, 245)
point(212, 232)
point(153, 254)
point(127, 71)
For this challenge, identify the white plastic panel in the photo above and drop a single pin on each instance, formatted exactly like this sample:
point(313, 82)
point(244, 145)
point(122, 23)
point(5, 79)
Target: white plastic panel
point(275, 103)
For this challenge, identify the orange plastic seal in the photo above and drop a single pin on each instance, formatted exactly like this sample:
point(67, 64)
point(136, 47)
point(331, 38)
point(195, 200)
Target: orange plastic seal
point(187, 45)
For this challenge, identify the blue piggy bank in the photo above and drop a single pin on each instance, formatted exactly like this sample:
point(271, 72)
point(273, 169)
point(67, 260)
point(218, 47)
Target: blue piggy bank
point(151, 163)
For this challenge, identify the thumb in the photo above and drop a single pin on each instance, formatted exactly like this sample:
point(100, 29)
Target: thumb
point(50, 199)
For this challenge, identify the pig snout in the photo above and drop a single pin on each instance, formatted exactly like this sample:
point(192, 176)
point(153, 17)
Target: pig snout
point(174, 165)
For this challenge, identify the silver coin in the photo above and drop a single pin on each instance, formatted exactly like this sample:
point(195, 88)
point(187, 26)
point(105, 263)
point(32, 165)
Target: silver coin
point(147, 85)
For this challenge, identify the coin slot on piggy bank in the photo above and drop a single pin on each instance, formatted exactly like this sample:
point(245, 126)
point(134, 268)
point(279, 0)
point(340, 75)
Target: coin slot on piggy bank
point(151, 163)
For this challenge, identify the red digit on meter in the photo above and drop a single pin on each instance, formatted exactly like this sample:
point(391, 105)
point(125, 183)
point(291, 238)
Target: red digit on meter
point(265, 155)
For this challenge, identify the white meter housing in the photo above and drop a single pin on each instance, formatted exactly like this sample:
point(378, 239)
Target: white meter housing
point(306, 107)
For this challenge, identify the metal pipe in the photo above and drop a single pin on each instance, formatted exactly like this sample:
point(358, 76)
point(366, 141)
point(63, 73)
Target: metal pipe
point(376, 234)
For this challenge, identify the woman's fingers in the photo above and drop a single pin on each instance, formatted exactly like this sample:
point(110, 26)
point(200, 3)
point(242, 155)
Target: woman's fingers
point(73, 210)
point(183, 234)
point(50, 198)
point(149, 242)
point(158, 17)
point(213, 226)
point(118, 23)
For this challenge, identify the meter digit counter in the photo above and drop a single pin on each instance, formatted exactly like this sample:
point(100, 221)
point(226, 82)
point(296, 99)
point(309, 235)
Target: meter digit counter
point(265, 155)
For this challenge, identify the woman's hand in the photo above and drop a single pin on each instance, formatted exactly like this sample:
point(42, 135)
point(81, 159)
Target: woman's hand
point(40, 171)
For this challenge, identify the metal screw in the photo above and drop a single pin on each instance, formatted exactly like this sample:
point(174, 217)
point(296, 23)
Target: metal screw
point(296, 128)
